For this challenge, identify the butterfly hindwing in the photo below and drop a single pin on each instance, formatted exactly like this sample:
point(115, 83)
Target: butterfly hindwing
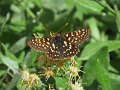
point(70, 50)
point(52, 51)
point(62, 49)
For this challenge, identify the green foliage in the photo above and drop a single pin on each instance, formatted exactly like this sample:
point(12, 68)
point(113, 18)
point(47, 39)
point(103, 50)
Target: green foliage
point(99, 56)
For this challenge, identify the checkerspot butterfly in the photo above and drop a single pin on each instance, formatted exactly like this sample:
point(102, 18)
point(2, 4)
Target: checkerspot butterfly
point(62, 46)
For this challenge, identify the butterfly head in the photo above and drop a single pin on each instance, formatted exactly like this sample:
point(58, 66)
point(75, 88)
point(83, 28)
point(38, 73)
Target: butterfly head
point(53, 34)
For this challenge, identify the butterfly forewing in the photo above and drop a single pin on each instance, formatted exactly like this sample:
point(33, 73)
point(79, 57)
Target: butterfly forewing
point(39, 44)
point(77, 37)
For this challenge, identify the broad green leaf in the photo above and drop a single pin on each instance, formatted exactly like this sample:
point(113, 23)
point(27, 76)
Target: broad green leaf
point(103, 76)
point(21, 56)
point(38, 2)
point(90, 67)
point(30, 57)
point(112, 45)
point(11, 64)
point(92, 48)
point(90, 5)
point(69, 4)
point(9, 54)
point(15, 8)
point(19, 45)
point(17, 24)
point(94, 28)
point(115, 81)
point(61, 82)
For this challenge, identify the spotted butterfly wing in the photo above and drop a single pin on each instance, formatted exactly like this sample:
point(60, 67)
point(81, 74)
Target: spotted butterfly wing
point(77, 37)
point(40, 44)
point(60, 47)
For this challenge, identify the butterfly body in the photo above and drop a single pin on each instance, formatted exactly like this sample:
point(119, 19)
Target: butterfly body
point(58, 41)
point(60, 46)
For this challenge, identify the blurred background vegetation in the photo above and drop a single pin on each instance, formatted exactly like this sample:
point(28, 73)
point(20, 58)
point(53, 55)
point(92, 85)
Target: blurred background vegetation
point(99, 56)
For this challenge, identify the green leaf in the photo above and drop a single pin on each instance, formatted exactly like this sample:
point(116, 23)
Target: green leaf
point(9, 54)
point(102, 76)
point(15, 8)
point(61, 82)
point(115, 81)
point(112, 45)
point(19, 45)
point(90, 68)
point(30, 57)
point(92, 48)
point(21, 56)
point(94, 28)
point(117, 17)
point(69, 4)
point(10, 63)
point(90, 5)
point(37, 2)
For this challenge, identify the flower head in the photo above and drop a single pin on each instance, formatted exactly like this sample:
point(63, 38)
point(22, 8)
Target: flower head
point(29, 80)
point(76, 86)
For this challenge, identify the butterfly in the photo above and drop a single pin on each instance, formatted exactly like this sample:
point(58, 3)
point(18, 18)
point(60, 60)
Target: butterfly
point(62, 46)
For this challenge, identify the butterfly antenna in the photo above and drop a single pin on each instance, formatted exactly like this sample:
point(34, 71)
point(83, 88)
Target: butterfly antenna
point(62, 28)
point(57, 31)
point(51, 33)
point(46, 29)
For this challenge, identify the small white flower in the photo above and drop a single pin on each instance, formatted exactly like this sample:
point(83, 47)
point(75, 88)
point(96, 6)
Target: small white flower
point(76, 86)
